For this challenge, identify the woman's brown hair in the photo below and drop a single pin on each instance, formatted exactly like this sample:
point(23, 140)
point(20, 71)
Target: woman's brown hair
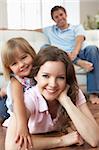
point(52, 53)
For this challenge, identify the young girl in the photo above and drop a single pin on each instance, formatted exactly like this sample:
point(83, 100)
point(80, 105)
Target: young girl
point(56, 93)
point(17, 58)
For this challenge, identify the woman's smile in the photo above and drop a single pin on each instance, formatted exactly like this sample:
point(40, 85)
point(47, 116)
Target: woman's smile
point(51, 82)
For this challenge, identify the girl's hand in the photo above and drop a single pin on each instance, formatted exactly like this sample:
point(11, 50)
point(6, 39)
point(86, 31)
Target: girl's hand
point(23, 138)
point(72, 138)
point(80, 140)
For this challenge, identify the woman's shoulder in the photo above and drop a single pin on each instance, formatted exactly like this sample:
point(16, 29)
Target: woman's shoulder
point(32, 92)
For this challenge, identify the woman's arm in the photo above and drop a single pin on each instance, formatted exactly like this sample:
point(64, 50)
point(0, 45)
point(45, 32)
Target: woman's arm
point(42, 141)
point(22, 134)
point(82, 119)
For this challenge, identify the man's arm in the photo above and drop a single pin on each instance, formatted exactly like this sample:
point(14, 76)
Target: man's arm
point(75, 52)
point(88, 66)
point(39, 30)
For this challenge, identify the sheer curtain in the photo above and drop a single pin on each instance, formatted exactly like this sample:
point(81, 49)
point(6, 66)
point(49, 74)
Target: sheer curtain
point(33, 14)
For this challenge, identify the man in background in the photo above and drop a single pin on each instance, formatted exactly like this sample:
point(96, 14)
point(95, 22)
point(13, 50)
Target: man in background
point(71, 38)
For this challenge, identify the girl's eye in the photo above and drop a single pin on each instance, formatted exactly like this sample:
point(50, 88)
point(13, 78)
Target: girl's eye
point(13, 64)
point(24, 57)
point(45, 76)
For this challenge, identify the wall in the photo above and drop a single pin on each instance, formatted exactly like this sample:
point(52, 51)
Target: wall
point(73, 11)
point(3, 14)
point(88, 7)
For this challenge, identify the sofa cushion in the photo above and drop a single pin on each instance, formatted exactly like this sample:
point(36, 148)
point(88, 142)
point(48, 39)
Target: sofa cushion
point(79, 70)
point(37, 40)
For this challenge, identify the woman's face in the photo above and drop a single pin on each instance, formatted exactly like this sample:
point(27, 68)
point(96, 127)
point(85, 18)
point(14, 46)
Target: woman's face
point(51, 79)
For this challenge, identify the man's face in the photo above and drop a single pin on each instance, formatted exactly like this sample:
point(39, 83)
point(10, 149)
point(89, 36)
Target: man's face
point(60, 17)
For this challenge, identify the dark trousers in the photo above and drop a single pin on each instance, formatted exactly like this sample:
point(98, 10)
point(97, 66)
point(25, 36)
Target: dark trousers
point(3, 109)
point(91, 54)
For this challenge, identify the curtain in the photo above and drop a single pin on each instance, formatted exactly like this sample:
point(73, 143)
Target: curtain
point(3, 14)
point(33, 14)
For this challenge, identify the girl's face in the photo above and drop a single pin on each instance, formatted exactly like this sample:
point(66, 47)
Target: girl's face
point(51, 79)
point(22, 64)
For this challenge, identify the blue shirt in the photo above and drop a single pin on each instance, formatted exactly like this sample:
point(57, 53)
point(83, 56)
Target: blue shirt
point(65, 39)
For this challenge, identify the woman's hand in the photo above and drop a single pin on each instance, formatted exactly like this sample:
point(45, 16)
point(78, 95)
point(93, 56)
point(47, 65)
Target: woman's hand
point(23, 137)
point(63, 96)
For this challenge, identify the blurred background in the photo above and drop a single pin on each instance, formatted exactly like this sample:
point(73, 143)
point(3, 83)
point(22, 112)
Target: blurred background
point(32, 14)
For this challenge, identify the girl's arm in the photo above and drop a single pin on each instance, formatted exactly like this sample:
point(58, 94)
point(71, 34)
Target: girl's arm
point(22, 136)
point(82, 119)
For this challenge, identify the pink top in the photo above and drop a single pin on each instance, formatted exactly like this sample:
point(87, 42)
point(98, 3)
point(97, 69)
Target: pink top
point(40, 120)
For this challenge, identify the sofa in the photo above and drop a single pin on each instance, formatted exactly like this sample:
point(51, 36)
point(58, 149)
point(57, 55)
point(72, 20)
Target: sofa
point(37, 39)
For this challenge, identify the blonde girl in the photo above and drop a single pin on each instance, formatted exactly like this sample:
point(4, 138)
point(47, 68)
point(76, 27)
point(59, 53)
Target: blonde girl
point(17, 59)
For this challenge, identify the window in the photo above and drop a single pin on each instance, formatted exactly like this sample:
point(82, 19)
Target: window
point(33, 14)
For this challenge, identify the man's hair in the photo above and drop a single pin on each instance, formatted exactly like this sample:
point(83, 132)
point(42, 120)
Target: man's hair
point(56, 8)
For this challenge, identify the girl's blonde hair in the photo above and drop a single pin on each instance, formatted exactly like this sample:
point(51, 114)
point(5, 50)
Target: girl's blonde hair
point(8, 53)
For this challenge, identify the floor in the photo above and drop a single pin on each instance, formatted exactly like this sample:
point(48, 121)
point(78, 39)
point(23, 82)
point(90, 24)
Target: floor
point(2, 137)
point(95, 111)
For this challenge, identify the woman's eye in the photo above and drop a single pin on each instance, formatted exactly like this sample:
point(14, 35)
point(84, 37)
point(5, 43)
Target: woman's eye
point(45, 76)
point(62, 78)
